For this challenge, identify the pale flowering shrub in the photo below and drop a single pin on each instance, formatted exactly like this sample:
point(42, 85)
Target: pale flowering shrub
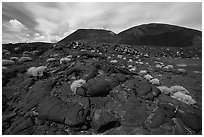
point(24, 59)
point(187, 99)
point(50, 60)
point(165, 90)
point(158, 66)
point(7, 62)
point(155, 81)
point(64, 60)
point(77, 83)
point(148, 77)
point(179, 89)
point(14, 58)
point(113, 61)
point(4, 68)
point(4, 51)
point(143, 72)
point(133, 69)
point(36, 71)
point(169, 67)
point(181, 70)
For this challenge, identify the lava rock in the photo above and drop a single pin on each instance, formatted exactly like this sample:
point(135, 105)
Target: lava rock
point(144, 88)
point(155, 91)
point(99, 102)
point(36, 94)
point(147, 91)
point(191, 119)
point(134, 113)
point(54, 109)
point(157, 119)
point(168, 109)
point(100, 86)
point(103, 121)
point(21, 126)
point(122, 130)
point(86, 72)
point(179, 128)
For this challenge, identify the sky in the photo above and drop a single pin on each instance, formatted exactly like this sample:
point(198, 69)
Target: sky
point(51, 22)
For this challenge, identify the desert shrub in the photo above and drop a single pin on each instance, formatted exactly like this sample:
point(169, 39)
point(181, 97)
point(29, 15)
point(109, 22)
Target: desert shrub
point(24, 59)
point(77, 83)
point(36, 71)
point(64, 60)
point(6, 62)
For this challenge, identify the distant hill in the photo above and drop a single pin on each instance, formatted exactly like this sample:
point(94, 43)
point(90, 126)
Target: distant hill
point(91, 35)
point(21, 47)
point(153, 34)
point(163, 35)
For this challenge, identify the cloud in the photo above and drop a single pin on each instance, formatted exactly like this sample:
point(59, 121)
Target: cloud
point(14, 31)
point(53, 21)
point(15, 24)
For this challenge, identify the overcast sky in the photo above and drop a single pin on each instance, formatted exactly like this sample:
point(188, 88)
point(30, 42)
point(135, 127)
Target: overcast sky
point(50, 22)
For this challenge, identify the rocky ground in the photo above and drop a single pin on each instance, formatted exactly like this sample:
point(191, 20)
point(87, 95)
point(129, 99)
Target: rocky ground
point(90, 88)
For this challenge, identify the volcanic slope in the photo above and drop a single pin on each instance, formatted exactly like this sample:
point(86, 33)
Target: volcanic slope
point(163, 35)
point(91, 35)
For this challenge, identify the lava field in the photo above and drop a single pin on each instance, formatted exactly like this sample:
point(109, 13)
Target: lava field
point(87, 88)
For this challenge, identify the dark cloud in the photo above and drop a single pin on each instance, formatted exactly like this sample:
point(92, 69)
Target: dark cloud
point(51, 21)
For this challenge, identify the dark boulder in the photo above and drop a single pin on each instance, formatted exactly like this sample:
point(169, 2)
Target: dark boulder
point(36, 94)
point(100, 86)
point(158, 119)
point(191, 118)
point(103, 121)
point(85, 72)
point(134, 113)
point(21, 126)
point(56, 110)
point(147, 91)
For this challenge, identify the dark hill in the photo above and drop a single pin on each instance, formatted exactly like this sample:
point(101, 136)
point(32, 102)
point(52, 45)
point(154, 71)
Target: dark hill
point(163, 35)
point(153, 34)
point(91, 35)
